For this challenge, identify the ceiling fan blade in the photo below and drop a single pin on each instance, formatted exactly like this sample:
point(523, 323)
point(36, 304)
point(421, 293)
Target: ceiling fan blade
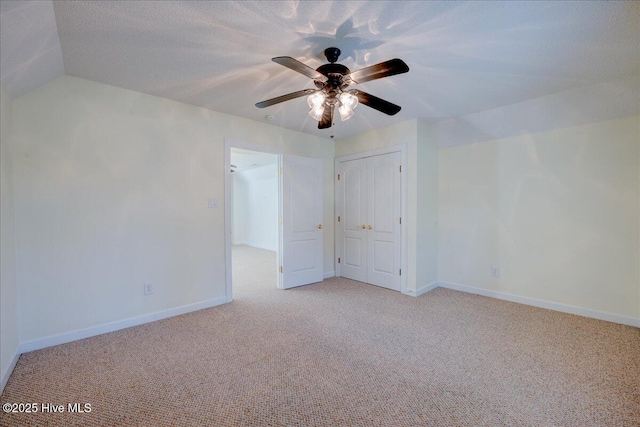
point(298, 66)
point(327, 118)
point(378, 71)
point(377, 103)
point(286, 97)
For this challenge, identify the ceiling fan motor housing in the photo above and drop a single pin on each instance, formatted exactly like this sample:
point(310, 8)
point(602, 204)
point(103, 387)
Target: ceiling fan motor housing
point(337, 77)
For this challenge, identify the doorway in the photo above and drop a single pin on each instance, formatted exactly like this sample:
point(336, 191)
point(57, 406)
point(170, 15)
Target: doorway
point(299, 251)
point(254, 220)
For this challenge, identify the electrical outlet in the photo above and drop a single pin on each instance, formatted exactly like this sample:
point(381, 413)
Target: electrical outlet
point(148, 288)
point(213, 203)
point(495, 271)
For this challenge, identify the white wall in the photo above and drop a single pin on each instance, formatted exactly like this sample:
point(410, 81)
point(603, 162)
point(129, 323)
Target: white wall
point(9, 324)
point(427, 207)
point(111, 187)
point(557, 211)
point(255, 207)
point(111, 190)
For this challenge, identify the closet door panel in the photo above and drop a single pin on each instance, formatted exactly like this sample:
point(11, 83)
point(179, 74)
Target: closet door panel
point(354, 236)
point(383, 216)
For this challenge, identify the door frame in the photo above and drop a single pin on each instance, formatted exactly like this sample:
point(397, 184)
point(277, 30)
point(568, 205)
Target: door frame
point(402, 149)
point(230, 143)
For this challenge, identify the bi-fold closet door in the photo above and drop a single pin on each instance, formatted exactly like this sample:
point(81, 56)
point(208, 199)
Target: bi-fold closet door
point(370, 219)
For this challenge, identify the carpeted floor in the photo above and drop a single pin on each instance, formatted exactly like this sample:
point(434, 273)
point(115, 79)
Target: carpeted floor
point(341, 353)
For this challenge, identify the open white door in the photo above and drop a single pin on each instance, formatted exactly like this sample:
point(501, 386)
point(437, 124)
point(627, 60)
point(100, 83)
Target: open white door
point(301, 221)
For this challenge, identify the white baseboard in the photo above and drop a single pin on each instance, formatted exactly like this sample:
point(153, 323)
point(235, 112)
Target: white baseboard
point(7, 373)
point(580, 311)
point(66, 337)
point(328, 274)
point(423, 290)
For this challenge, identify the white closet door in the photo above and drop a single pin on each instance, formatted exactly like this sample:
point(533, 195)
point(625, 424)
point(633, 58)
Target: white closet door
point(353, 187)
point(302, 221)
point(383, 220)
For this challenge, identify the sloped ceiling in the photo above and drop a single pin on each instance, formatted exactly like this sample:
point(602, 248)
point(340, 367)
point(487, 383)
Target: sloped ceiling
point(30, 51)
point(464, 57)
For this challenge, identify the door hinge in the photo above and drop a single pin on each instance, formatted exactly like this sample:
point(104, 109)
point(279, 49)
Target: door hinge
point(280, 269)
point(338, 177)
point(400, 220)
point(400, 168)
point(280, 171)
point(338, 218)
point(338, 260)
point(400, 272)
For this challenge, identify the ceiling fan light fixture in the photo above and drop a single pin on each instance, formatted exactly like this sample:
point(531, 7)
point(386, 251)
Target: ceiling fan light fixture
point(316, 100)
point(348, 100)
point(317, 112)
point(345, 113)
point(348, 103)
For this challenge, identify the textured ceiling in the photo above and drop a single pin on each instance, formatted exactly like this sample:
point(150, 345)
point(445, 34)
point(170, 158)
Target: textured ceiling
point(464, 57)
point(30, 52)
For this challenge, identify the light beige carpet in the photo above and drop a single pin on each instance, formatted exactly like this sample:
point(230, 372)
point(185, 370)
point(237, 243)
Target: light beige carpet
point(341, 353)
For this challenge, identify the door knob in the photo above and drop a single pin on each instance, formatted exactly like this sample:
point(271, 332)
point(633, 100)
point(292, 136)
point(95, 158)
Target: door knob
point(364, 226)
point(320, 226)
point(369, 227)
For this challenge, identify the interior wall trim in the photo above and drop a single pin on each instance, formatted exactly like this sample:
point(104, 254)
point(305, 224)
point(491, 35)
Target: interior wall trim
point(93, 331)
point(549, 305)
point(79, 334)
point(423, 290)
point(7, 373)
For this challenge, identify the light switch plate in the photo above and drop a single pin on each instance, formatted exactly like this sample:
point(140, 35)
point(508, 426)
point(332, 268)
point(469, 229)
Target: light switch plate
point(148, 288)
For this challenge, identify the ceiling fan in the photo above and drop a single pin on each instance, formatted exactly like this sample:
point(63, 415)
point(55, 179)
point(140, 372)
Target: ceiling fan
point(332, 81)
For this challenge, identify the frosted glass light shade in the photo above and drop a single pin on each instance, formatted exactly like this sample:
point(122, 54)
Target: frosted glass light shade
point(317, 112)
point(345, 113)
point(348, 100)
point(316, 100)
